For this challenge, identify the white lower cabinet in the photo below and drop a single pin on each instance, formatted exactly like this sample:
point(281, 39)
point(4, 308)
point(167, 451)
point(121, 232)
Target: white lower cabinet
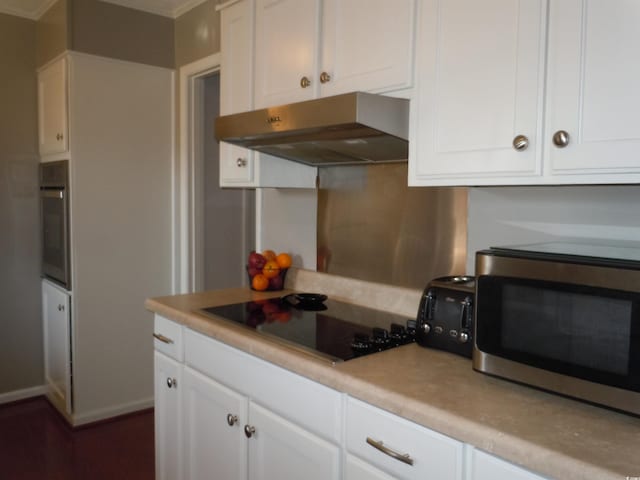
point(279, 449)
point(487, 467)
point(398, 447)
point(222, 413)
point(57, 344)
point(214, 441)
point(168, 419)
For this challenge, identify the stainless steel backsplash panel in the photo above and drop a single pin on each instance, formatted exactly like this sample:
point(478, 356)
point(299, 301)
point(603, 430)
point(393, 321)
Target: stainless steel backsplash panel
point(372, 226)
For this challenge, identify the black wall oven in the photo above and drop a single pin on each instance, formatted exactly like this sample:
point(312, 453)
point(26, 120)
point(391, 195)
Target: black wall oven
point(562, 317)
point(54, 221)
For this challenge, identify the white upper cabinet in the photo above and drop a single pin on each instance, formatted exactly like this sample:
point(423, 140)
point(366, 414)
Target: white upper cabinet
point(311, 48)
point(236, 37)
point(480, 70)
point(53, 125)
point(497, 104)
point(367, 45)
point(240, 167)
point(592, 91)
point(287, 33)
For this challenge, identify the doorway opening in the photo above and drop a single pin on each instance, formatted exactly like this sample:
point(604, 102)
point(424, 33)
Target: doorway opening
point(214, 226)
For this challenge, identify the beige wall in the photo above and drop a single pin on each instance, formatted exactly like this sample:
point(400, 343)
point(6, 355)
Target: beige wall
point(21, 339)
point(107, 30)
point(197, 33)
point(52, 32)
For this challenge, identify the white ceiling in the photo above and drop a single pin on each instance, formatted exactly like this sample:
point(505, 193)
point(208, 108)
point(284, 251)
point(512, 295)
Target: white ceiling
point(33, 9)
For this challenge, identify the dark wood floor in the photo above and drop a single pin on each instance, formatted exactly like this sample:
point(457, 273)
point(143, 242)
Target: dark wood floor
point(37, 444)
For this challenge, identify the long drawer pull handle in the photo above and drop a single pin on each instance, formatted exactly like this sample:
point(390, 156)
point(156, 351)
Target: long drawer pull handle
point(162, 338)
point(404, 458)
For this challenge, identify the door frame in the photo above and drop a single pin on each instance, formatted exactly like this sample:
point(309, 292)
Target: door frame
point(188, 214)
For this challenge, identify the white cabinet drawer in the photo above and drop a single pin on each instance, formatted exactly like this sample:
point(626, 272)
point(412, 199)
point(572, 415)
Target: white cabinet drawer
point(434, 456)
point(167, 338)
point(308, 404)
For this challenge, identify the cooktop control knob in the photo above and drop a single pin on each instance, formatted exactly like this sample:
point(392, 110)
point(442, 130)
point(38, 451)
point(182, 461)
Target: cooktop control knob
point(361, 344)
point(463, 337)
point(426, 328)
point(398, 334)
point(381, 340)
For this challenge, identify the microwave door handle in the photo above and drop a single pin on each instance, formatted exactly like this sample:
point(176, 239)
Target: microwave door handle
point(52, 194)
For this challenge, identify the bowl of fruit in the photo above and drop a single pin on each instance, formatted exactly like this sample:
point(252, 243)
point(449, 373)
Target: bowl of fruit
point(267, 270)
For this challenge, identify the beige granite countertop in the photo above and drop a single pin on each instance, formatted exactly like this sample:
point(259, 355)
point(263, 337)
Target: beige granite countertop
point(554, 436)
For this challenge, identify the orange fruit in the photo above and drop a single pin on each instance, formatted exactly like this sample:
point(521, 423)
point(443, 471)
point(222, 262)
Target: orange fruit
point(271, 269)
point(269, 255)
point(283, 260)
point(259, 282)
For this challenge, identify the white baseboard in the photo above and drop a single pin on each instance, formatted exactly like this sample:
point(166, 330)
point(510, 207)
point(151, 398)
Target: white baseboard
point(109, 412)
point(22, 394)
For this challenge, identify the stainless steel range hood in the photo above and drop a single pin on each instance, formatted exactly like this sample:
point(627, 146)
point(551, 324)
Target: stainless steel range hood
point(353, 128)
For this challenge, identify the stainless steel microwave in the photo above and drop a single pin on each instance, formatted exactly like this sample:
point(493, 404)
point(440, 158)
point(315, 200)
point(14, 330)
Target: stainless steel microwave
point(563, 317)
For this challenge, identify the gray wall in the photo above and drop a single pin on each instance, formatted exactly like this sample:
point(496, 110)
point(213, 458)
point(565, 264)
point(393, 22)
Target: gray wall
point(521, 215)
point(21, 339)
point(53, 32)
point(107, 30)
point(197, 33)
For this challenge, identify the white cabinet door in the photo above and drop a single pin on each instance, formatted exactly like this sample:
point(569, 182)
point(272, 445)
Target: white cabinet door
point(487, 467)
point(214, 418)
point(593, 90)
point(286, 51)
point(356, 469)
point(236, 87)
point(480, 86)
point(52, 108)
point(367, 45)
point(57, 344)
point(281, 450)
point(168, 417)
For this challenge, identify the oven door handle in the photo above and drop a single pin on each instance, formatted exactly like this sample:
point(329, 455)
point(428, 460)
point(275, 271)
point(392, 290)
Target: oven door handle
point(51, 193)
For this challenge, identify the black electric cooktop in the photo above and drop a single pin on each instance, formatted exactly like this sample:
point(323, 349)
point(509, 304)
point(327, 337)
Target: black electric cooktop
point(332, 330)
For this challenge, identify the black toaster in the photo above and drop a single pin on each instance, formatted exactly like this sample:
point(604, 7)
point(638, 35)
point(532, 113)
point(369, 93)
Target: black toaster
point(445, 315)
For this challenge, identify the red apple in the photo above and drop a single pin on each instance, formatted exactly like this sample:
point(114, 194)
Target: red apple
point(256, 260)
point(253, 271)
point(276, 283)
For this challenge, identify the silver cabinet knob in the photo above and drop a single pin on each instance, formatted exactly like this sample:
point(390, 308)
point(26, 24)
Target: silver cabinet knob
point(232, 419)
point(61, 308)
point(305, 82)
point(520, 142)
point(325, 77)
point(59, 136)
point(561, 138)
point(241, 162)
point(172, 382)
point(249, 431)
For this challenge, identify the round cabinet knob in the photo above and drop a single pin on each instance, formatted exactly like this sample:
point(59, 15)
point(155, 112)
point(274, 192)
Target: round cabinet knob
point(249, 431)
point(241, 162)
point(561, 138)
point(232, 419)
point(305, 82)
point(520, 142)
point(61, 308)
point(59, 136)
point(325, 77)
point(463, 337)
point(172, 382)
